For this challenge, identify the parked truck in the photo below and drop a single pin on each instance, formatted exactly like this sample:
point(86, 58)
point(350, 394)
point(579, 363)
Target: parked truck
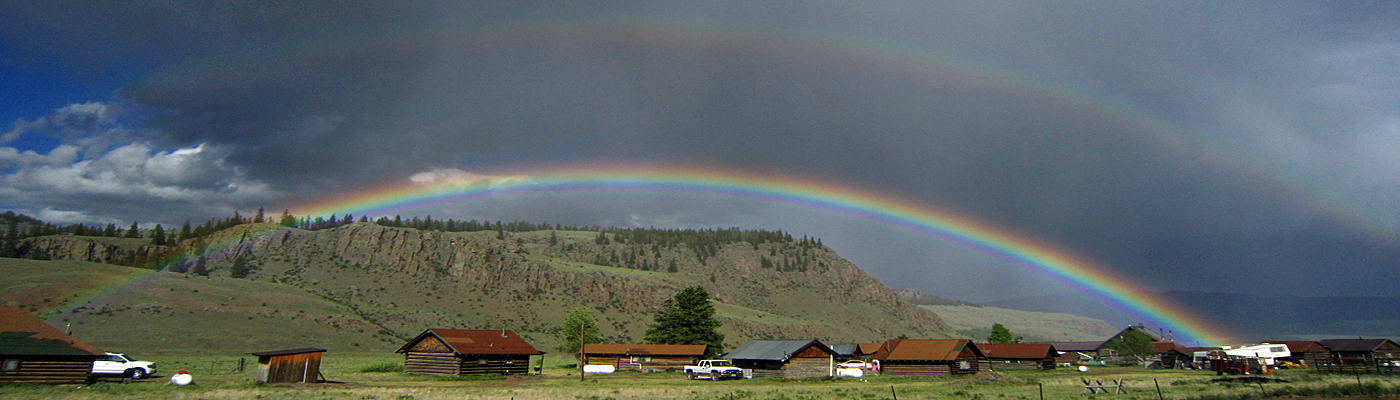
point(117, 364)
point(714, 370)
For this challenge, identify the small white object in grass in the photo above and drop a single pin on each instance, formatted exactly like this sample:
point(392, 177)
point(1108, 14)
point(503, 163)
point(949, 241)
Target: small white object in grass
point(1083, 368)
point(181, 379)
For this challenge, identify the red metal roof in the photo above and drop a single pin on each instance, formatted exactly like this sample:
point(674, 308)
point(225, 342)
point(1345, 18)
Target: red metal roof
point(478, 341)
point(868, 348)
point(1163, 346)
point(1025, 351)
point(27, 334)
point(649, 349)
point(925, 349)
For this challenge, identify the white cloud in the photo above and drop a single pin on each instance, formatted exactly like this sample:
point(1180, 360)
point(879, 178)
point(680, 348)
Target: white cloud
point(457, 177)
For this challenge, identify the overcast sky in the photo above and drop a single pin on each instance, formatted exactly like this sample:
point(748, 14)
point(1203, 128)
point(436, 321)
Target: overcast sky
point(1222, 146)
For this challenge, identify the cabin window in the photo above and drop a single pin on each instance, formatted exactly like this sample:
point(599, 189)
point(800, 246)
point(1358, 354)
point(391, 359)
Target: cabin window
point(964, 365)
point(10, 365)
point(636, 360)
point(481, 361)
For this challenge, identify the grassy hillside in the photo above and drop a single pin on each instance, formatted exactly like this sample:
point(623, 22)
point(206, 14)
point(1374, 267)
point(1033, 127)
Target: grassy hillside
point(976, 323)
point(365, 287)
point(129, 309)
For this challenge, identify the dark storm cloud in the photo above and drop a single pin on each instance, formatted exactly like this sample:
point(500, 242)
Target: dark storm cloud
point(1089, 133)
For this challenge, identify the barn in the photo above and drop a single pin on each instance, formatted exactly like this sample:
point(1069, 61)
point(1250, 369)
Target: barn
point(791, 359)
point(1300, 351)
point(32, 351)
point(289, 366)
point(1019, 356)
point(458, 352)
point(1356, 356)
point(644, 357)
point(929, 357)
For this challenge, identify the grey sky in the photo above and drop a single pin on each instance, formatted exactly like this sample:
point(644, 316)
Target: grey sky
point(1227, 146)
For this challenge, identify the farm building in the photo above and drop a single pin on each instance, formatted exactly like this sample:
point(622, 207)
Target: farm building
point(289, 366)
point(32, 351)
point(1356, 356)
point(866, 351)
point(1160, 345)
point(1301, 350)
point(1072, 353)
point(1018, 356)
point(929, 357)
point(1184, 357)
point(644, 357)
point(457, 352)
point(801, 358)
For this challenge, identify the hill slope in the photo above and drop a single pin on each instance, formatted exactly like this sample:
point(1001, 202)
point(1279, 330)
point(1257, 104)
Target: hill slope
point(400, 281)
point(975, 322)
point(130, 309)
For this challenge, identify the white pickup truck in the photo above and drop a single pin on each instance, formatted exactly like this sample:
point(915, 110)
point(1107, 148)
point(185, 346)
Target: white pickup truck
point(713, 369)
point(120, 364)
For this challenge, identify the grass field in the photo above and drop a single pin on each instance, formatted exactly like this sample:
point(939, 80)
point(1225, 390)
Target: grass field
point(214, 379)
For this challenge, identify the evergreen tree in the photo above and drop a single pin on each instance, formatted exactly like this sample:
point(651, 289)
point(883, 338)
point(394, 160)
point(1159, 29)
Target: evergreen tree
point(579, 320)
point(1132, 343)
point(288, 220)
point(259, 218)
point(242, 267)
point(133, 233)
point(1000, 335)
point(184, 232)
point(111, 230)
point(199, 267)
point(10, 246)
point(688, 318)
point(158, 236)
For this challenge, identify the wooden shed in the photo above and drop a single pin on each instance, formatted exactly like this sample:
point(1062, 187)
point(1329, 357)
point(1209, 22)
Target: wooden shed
point(1019, 356)
point(791, 359)
point(929, 357)
point(290, 366)
point(1073, 353)
point(32, 351)
point(644, 357)
point(1300, 351)
point(457, 352)
point(1357, 356)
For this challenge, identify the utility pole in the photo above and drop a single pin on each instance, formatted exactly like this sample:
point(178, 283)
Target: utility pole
point(583, 328)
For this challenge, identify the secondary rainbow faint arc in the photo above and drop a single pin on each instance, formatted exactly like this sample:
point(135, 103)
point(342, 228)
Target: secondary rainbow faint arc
point(784, 189)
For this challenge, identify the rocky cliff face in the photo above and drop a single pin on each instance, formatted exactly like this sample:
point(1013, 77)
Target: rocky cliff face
point(117, 251)
point(407, 280)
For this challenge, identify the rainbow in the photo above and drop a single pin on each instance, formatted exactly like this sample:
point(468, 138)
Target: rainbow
point(813, 194)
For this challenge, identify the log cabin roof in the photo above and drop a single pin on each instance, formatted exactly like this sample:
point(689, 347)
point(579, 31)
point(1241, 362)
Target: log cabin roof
point(1296, 346)
point(21, 333)
point(646, 349)
point(926, 349)
point(774, 350)
point(476, 341)
point(1078, 346)
point(869, 347)
point(1018, 351)
point(1355, 344)
point(288, 352)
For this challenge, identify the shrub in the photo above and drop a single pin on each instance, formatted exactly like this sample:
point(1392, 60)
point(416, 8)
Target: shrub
point(388, 366)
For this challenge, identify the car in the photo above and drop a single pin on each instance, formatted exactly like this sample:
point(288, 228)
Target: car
point(853, 364)
point(117, 364)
